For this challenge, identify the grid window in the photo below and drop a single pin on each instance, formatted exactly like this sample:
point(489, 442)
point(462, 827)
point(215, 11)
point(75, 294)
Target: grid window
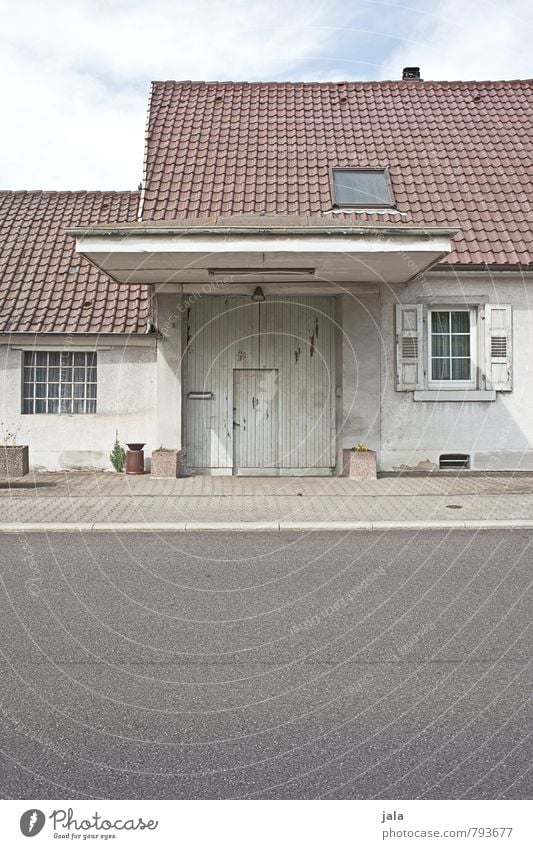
point(451, 345)
point(59, 382)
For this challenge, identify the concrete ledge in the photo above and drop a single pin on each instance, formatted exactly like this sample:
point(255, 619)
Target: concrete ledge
point(138, 527)
point(29, 527)
point(325, 526)
point(232, 526)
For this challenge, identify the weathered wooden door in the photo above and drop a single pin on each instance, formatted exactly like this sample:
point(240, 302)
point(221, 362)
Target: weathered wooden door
point(255, 421)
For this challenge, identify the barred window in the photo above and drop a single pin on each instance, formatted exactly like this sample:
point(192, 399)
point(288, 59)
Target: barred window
point(59, 382)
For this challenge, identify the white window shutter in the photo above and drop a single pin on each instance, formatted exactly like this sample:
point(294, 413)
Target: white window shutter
point(409, 347)
point(498, 347)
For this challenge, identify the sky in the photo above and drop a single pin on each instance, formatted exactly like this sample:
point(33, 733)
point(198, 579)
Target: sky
point(76, 73)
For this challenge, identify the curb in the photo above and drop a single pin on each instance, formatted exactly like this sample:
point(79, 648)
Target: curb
point(465, 525)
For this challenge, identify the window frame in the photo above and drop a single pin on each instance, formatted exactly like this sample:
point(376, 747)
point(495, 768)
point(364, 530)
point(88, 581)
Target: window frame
point(373, 170)
point(451, 384)
point(47, 398)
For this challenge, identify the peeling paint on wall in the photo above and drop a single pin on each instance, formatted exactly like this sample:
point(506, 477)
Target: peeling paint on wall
point(422, 466)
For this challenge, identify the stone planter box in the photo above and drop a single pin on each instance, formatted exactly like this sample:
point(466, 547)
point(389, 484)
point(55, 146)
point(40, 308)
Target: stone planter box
point(166, 463)
point(359, 464)
point(14, 461)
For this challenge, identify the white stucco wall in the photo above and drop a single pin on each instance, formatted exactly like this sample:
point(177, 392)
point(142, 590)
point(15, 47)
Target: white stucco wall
point(359, 320)
point(497, 435)
point(126, 401)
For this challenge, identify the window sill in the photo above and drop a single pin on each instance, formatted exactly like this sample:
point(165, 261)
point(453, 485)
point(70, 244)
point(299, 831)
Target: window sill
point(455, 395)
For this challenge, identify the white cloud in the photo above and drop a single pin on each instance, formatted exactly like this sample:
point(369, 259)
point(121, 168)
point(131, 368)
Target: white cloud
point(467, 40)
point(76, 74)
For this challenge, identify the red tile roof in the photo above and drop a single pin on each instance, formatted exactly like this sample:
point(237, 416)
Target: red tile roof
point(459, 153)
point(45, 286)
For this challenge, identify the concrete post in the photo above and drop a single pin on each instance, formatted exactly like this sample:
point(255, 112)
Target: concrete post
point(169, 317)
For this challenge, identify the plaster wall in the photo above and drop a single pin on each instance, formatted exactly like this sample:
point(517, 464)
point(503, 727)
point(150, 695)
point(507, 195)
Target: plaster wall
point(126, 401)
point(359, 318)
point(498, 435)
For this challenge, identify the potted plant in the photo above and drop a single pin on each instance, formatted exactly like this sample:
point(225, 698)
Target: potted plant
point(359, 462)
point(166, 463)
point(118, 455)
point(14, 459)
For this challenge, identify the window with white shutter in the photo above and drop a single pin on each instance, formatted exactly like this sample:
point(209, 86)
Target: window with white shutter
point(454, 353)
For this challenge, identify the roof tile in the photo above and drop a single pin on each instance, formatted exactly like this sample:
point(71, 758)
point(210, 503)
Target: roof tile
point(44, 282)
point(452, 158)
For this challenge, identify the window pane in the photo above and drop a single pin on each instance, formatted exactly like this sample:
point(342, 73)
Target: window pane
point(460, 346)
point(440, 322)
point(440, 369)
point(460, 322)
point(48, 377)
point(440, 346)
point(361, 187)
point(91, 375)
point(461, 369)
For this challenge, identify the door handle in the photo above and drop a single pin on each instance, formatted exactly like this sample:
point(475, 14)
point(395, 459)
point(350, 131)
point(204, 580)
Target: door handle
point(236, 424)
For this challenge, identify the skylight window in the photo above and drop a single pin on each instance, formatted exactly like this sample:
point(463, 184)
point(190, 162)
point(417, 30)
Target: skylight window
point(362, 187)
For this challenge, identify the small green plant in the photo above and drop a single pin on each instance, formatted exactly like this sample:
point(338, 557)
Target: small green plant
point(360, 447)
point(118, 455)
point(8, 437)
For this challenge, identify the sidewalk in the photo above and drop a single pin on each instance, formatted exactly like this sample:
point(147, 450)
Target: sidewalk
point(106, 501)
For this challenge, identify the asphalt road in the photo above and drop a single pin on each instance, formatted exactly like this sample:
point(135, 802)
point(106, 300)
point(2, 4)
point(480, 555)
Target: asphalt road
point(265, 665)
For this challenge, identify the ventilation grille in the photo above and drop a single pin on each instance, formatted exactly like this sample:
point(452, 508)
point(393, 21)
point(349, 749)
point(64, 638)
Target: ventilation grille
point(454, 461)
point(498, 347)
point(409, 348)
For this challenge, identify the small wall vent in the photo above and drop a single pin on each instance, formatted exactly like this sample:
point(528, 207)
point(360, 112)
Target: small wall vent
point(454, 461)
